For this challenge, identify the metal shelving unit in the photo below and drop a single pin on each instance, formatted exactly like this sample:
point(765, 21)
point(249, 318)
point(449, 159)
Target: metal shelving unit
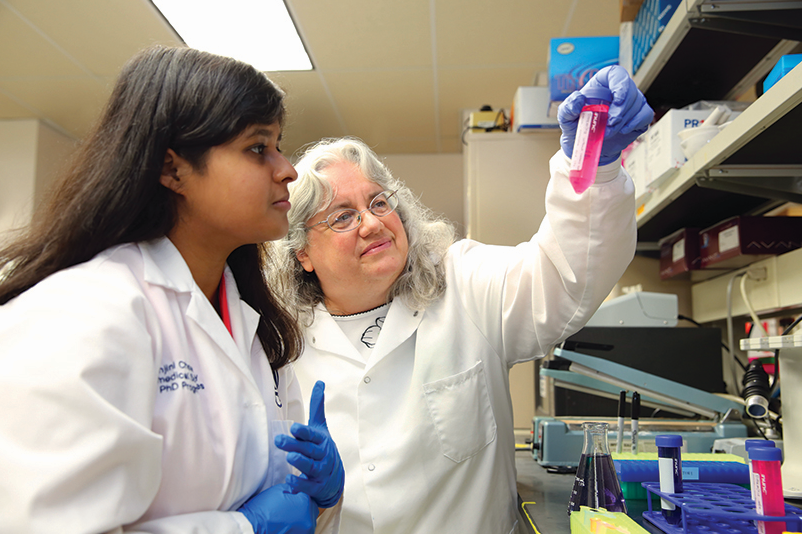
point(716, 51)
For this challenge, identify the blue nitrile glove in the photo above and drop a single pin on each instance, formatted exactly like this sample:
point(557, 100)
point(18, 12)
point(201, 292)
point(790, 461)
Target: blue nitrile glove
point(315, 455)
point(629, 115)
point(278, 510)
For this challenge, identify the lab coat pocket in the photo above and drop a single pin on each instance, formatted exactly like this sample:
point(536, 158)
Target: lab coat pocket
point(459, 406)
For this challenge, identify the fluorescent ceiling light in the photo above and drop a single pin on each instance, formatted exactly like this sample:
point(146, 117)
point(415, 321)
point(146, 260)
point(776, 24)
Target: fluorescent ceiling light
point(259, 32)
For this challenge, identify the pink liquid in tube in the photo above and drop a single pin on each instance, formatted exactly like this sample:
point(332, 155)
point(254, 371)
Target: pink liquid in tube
point(767, 478)
point(589, 138)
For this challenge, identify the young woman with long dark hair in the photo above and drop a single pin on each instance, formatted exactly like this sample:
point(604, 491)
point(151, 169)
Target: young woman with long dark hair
point(145, 359)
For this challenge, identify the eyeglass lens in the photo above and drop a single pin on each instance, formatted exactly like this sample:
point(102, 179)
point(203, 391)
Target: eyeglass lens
point(348, 219)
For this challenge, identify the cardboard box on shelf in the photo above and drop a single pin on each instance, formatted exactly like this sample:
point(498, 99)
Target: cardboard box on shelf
point(530, 109)
point(679, 254)
point(665, 154)
point(629, 8)
point(573, 61)
point(741, 240)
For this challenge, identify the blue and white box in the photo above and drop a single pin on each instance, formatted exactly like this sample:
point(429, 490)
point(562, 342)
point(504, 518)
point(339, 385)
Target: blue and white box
point(573, 61)
point(649, 23)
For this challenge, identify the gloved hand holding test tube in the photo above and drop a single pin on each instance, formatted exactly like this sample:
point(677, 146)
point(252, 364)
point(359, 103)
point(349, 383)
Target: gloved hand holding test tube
point(627, 117)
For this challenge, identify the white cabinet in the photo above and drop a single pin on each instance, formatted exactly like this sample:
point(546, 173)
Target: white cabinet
point(505, 189)
point(505, 184)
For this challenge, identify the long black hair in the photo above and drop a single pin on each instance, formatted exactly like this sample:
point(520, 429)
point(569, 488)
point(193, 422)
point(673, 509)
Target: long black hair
point(178, 98)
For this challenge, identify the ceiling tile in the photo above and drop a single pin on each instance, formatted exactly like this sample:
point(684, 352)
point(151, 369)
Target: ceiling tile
point(374, 59)
point(594, 17)
point(71, 104)
point(84, 29)
point(10, 108)
point(310, 113)
point(506, 32)
point(382, 105)
point(365, 34)
point(27, 53)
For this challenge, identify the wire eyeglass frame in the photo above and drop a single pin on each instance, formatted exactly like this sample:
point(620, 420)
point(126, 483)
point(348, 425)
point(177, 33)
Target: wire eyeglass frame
point(340, 222)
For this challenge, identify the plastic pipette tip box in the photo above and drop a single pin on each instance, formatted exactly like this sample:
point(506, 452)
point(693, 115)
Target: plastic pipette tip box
point(692, 471)
point(715, 509)
point(600, 521)
point(633, 469)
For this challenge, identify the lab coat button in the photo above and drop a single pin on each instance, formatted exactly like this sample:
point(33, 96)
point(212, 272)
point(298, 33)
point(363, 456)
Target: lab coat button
point(415, 314)
point(367, 380)
point(371, 467)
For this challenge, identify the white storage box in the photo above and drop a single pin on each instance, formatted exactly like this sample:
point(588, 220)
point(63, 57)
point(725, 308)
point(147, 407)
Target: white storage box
point(665, 153)
point(636, 165)
point(530, 109)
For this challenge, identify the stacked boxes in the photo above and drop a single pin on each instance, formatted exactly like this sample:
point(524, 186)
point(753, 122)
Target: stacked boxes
point(739, 241)
point(730, 244)
point(679, 253)
point(573, 61)
point(664, 153)
point(661, 154)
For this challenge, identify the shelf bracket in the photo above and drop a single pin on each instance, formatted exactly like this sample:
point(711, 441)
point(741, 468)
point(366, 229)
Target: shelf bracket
point(717, 6)
point(779, 182)
point(733, 22)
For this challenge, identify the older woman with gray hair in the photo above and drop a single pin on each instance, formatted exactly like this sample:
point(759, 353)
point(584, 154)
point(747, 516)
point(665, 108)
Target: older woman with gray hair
point(415, 331)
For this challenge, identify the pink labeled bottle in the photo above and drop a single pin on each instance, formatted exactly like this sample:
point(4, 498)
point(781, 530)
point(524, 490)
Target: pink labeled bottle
point(767, 477)
point(589, 137)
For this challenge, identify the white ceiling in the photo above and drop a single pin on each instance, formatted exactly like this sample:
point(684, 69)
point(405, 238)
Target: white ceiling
point(396, 73)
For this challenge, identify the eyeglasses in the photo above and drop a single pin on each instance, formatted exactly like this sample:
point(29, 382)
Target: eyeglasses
point(347, 219)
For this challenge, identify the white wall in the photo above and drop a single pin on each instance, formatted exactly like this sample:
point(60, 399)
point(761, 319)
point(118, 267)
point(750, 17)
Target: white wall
point(31, 154)
point(17, 172)
point(435, 178)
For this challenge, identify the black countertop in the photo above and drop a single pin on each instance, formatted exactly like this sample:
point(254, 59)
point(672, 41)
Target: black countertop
point(544, 496)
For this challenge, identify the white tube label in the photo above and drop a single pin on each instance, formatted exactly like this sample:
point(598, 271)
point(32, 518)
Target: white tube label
point(666, 470)
point(581, 140)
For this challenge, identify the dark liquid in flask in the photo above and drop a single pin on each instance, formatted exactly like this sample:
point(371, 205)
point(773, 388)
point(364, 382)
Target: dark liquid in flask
point(596, 485)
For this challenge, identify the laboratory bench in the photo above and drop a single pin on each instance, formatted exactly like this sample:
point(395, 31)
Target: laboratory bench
point(544, 495)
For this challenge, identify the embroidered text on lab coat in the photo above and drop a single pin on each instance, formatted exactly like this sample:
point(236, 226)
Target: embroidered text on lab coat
point(175, 376)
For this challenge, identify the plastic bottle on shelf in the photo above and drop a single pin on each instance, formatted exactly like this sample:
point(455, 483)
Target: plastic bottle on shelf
point(589, 137)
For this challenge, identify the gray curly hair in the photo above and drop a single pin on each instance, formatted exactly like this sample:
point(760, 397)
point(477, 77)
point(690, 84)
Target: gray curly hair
point(423, 279)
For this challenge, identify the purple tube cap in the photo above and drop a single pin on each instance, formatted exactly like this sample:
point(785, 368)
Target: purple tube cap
point(766, 454)
point(602, 93)
point(668, 440)
point(748, 444)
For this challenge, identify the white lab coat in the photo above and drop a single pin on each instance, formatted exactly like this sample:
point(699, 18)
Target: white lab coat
point(127, 405)
point(425, 426)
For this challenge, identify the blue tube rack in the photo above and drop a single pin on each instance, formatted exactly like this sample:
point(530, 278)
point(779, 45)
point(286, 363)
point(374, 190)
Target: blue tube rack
point(715, 509)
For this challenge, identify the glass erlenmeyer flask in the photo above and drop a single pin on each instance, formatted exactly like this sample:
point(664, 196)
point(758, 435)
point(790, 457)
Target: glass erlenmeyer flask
point(596, 484)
